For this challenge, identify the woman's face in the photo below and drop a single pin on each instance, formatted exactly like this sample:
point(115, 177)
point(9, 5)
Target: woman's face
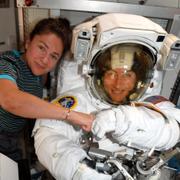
point(118, 83)
point(43, 53)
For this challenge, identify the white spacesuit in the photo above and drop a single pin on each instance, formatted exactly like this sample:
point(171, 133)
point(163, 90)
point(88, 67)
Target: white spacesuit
point(130, 121)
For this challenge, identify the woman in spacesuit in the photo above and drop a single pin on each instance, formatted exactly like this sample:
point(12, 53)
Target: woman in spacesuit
point(120, 76)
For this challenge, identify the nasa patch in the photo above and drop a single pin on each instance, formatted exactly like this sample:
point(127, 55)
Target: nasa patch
point(66, 101)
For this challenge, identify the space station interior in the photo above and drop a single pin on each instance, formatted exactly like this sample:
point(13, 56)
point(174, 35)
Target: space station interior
point(148, 29)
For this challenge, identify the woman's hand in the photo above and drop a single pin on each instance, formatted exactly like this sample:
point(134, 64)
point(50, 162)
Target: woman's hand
point(82, 119)
point(88, 123)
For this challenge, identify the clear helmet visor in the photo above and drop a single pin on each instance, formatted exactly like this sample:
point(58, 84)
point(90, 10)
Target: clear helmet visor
point(122, 73)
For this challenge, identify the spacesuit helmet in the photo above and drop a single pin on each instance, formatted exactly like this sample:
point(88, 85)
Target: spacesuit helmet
point(122, 73)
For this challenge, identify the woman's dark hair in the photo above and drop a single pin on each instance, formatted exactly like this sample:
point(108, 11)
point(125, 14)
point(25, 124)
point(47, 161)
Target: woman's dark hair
point(59, 26)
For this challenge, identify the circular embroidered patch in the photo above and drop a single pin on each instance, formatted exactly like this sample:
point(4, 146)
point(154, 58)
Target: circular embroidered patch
point(66, 101)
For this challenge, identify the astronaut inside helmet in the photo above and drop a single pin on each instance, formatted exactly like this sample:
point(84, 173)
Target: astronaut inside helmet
point(122, 73)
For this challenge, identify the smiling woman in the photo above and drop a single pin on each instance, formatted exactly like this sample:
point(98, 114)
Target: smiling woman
point(121, 73)
point(42, 56)
point(118, 83)
point(21, 81)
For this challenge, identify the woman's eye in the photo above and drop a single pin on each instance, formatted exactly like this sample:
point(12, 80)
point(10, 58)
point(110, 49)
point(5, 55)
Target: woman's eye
point(126, 75)
point(111, 74)
point(129, 74)
point(42, 48)
point(55, 58)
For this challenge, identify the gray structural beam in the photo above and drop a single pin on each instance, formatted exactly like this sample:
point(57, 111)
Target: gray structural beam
point(104, 7)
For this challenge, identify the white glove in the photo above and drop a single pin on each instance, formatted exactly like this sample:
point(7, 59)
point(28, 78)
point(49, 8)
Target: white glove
point(85, 173)
point(104, 122)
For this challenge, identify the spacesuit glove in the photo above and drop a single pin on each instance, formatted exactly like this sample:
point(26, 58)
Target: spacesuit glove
point(105, 121)
point(85, 173)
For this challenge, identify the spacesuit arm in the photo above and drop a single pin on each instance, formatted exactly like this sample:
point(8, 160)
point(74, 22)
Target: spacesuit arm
point(59, 153)
point(138, 127)
point(63, 157)
point(169, 109)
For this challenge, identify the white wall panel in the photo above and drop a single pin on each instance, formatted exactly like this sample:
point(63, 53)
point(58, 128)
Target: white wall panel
point(31, 17)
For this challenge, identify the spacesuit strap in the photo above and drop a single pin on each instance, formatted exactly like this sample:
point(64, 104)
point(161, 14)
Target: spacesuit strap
point(90, 163)
point(151, 106)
